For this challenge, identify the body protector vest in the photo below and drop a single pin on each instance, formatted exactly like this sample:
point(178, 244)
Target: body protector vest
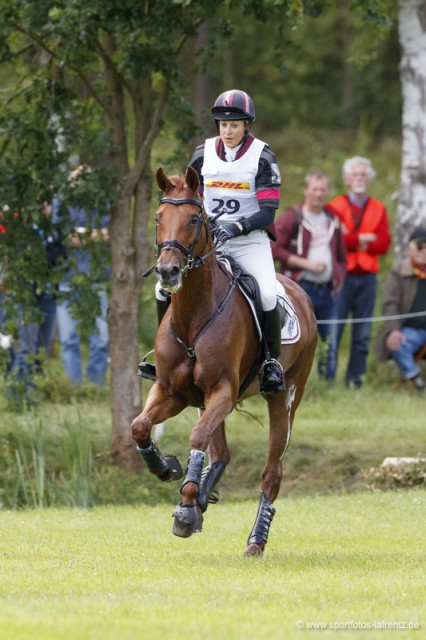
point(229, 187)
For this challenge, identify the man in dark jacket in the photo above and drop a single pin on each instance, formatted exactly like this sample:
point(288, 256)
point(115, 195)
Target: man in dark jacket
point(310, 250)
point(404, 294)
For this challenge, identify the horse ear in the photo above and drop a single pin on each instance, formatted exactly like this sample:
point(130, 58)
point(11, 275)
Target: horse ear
point(191, 179)
point(163, 182)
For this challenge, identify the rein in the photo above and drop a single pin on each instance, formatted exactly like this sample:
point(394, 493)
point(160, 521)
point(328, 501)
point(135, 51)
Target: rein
point(191, 350)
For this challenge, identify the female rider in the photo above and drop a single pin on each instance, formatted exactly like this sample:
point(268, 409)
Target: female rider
point(239, 181)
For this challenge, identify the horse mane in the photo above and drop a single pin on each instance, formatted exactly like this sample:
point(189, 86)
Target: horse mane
point(178, 184)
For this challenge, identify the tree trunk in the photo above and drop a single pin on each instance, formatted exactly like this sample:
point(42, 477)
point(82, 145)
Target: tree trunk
point(123, 315)
point(412, 192)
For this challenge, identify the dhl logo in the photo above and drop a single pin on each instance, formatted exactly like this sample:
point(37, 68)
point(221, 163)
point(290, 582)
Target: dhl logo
point(224, 184)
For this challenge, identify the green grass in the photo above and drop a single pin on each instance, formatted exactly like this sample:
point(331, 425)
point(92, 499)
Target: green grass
point(59, 455)
point(119, 572)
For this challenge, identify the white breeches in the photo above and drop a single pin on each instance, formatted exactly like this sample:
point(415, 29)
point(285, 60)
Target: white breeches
point(253, 253)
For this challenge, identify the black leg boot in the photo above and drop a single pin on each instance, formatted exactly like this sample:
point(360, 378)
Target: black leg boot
point(271, 374)
point(146, 369)
point(162, 306)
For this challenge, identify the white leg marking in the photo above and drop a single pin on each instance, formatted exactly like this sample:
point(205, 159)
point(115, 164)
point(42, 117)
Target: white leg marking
point(291, 394)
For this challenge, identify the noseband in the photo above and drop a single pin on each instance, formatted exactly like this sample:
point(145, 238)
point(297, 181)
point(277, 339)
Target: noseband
point(171, 245)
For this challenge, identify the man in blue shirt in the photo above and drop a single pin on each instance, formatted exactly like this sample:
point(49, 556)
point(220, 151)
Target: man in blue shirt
point(86, 228)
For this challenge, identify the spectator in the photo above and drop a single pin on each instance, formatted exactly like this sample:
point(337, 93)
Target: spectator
point(310, 250)
point(32, 252)
point(37, 313)
point(404, 294)
point(366, 233)
point(88, 228)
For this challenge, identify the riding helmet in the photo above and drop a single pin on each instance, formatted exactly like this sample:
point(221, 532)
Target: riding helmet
point(234, 105)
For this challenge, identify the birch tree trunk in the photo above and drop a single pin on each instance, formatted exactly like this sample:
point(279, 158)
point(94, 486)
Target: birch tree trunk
point(412, 192)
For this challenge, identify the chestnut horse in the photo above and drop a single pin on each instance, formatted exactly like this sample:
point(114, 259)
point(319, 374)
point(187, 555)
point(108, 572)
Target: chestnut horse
point(206, 347)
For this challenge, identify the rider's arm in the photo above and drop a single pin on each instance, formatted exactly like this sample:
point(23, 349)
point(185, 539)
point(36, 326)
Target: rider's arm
point(268, 181)
point(260, 220)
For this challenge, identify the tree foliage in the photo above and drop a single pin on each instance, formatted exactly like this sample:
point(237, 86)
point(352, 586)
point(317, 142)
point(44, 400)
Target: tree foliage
point(101, 80)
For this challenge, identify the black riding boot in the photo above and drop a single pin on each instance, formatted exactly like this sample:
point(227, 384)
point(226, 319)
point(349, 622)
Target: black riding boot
point(271, 372)
point(162, 306)
point(146, 369)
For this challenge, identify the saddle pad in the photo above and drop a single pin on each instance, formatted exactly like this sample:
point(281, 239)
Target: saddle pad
point(290, 332)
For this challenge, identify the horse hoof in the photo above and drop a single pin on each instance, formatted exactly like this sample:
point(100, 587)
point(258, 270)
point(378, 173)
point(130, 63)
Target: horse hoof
point(175, 470)
point(187, 520)
point(254, 550)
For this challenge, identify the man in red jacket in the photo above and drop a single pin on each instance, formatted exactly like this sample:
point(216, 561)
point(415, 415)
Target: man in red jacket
point(311, 251)
point(367, 236)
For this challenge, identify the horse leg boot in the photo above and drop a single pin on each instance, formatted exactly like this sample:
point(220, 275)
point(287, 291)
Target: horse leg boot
point(209, 479)
point(187, 517)
point(259, 535)
point(271, 374)
point(166, 467)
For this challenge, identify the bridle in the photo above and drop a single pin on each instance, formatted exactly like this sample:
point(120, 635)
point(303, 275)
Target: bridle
point(171, 245)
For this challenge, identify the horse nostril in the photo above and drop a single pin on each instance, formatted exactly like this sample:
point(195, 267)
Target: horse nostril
point(174, 271)
point(167, 272)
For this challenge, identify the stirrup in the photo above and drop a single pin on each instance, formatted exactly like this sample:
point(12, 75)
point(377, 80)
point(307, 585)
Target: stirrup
point(271, 376)
point(146, 369)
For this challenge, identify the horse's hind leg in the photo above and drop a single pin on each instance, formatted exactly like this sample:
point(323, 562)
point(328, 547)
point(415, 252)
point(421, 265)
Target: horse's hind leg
point(282, 407)
point(218, 459)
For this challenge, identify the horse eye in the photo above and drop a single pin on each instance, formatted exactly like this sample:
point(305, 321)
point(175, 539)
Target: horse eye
point(194, 219)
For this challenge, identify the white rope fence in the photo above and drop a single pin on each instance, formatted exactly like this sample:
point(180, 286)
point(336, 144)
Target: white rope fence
point(418, 314)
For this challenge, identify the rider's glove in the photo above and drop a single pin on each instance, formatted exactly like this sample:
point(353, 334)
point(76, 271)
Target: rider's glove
point(227, 230)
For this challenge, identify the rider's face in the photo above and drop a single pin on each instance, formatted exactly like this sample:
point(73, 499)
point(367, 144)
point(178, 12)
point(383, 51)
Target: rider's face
point(231, 132)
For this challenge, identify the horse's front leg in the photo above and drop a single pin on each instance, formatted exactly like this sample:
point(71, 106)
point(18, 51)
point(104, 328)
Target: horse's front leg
point(196, 488)
point(159, 406)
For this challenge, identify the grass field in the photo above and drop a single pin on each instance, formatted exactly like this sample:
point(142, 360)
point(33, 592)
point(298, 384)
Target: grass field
point(339, 556)
point(118, 572)
point(59, 455)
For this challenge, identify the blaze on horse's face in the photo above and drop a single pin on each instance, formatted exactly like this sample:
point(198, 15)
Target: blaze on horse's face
point(175, 224)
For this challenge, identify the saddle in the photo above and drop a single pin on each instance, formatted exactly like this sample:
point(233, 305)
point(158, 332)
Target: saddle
point(250, 289)
point(246, 282)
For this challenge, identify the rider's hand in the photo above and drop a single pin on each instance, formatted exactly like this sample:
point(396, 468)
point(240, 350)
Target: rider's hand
point(227, 230)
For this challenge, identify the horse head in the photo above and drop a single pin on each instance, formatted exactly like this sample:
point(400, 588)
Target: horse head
point(180, 225)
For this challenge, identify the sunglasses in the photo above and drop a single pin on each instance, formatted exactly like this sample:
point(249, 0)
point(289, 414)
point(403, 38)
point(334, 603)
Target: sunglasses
point(420, 245)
